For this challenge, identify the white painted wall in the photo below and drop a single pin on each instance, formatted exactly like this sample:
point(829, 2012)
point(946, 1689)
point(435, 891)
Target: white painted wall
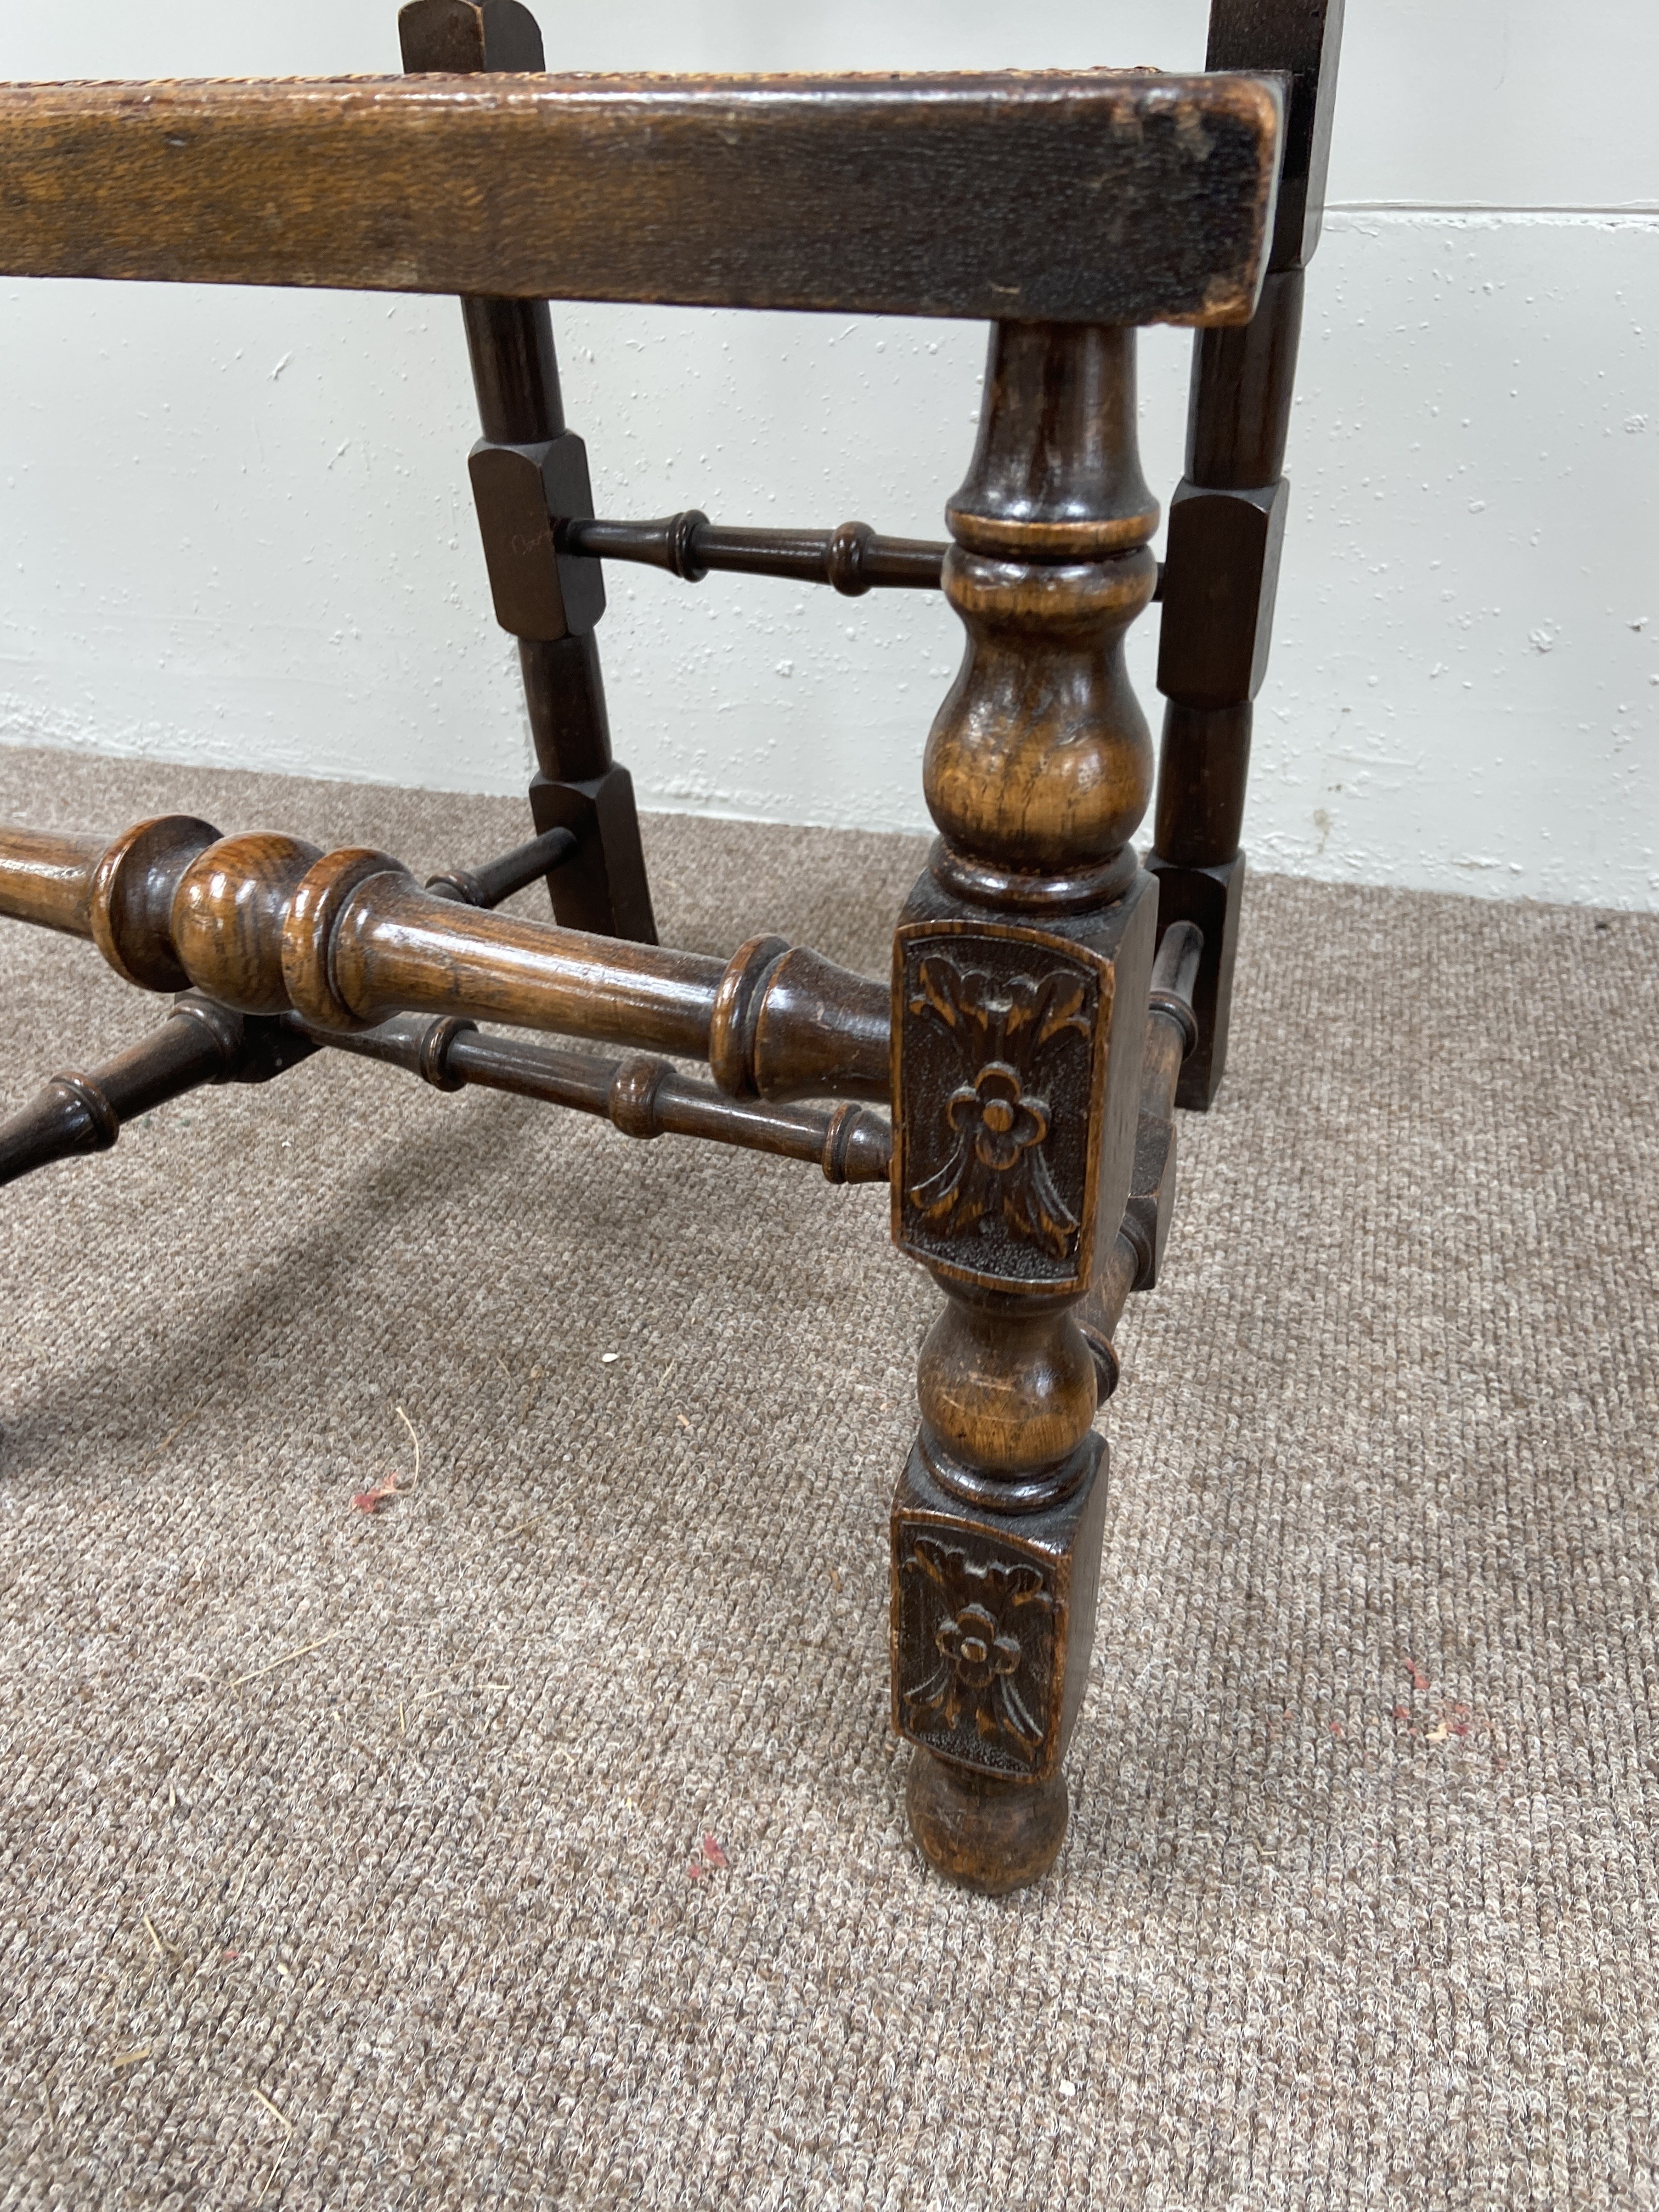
point(235, 526)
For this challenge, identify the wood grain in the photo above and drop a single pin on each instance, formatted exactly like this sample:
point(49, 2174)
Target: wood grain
point(46, 878)
point(262, 922)
point(1039, 760)
point(1021, 966)
point(1098, 197)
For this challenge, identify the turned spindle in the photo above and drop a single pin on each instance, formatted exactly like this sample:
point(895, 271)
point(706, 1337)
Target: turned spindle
point(198, 1043)
point(262, 923)
point(643, 1097)
point(852, 559)
point(1020, 979)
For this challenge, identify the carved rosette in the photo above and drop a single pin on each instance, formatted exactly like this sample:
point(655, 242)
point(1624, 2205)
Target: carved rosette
point(1001, 1062)
point(992, 1622)
point(982, 1626)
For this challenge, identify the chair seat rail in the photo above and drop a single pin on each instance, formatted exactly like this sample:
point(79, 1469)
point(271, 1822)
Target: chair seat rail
point(1094, 197)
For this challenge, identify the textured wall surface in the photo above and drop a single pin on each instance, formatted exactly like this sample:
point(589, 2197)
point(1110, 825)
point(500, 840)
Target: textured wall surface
point(238, 530)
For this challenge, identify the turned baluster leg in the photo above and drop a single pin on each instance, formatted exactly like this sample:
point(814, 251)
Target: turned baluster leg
point(1021, 967)
point(529, 471)
point(1226, 524)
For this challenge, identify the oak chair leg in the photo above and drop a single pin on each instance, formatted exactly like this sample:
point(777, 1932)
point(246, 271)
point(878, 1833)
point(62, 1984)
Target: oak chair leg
point(1021, 967)
point(1226, 525)
point(528, 472)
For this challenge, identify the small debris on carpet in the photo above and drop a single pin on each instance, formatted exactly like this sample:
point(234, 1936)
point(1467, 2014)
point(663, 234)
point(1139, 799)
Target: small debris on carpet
point(271, 1665)
point(276, 2113)
point(370, 1501)
point(711, 1859)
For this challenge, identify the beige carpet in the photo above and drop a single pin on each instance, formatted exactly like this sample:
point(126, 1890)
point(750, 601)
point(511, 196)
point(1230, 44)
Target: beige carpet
point(347, 1860)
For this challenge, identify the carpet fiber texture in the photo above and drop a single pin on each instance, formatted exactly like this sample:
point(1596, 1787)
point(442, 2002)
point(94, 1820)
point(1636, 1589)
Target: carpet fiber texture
point(539, 1839)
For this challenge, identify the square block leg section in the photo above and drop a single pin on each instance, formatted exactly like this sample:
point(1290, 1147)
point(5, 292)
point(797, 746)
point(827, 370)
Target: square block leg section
point(993, 1624)
point(1210, 897)
point(602, 887)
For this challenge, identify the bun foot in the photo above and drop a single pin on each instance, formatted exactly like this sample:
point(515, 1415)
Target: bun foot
point(984, 1834)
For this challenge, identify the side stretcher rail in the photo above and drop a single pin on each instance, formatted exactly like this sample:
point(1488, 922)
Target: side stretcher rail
point(263, 923)
point(74, 883)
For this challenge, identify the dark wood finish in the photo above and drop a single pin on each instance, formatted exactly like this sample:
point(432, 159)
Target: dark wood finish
point(1212, 898)
point(495, 881)
point(1222, 555)
point(1087, 198)
point(992, 1626)
point(132, 893)
point(1226, 525)
point(198, 1043)
point(1021, 968)
point(852, 558)
point(205, 1043)
point(542, 591)
point(1203, 769)
point(262, 922)
point(451, 38)
point(515, 368)
point(949, 1824)
point(1135, 1255)
point(642, 1097)
point(528, 469)
point(1171, 1033)
point(1241, 390)
point(1031, 1044)
point(1303, 38)
point(579, 787)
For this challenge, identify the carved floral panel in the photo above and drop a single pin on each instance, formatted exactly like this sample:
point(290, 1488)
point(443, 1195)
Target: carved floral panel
point(998, 1039)
point(976, 1651)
